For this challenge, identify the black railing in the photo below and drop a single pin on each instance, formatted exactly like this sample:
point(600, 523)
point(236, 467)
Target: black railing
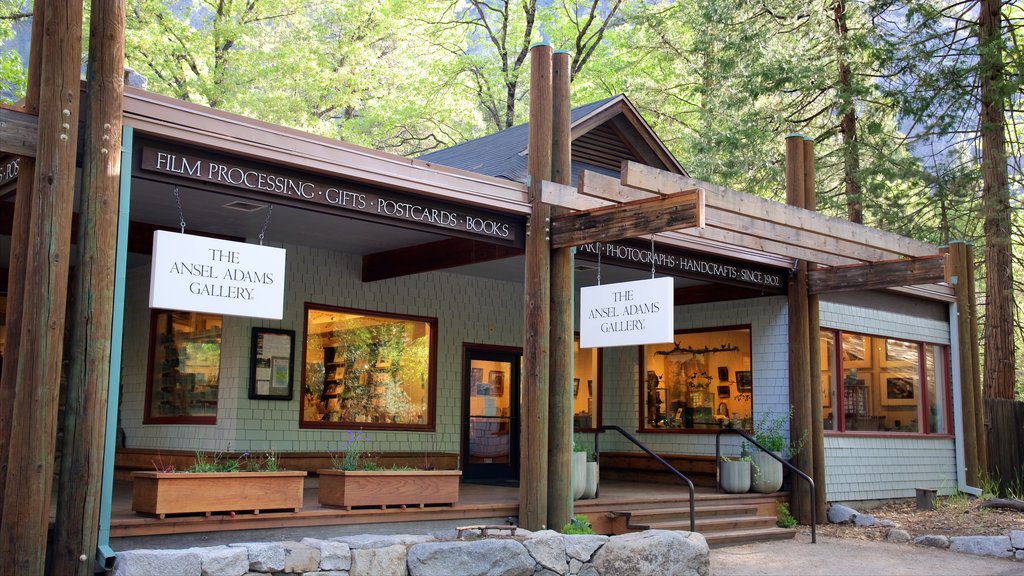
point(794, 469)
point(671, 468)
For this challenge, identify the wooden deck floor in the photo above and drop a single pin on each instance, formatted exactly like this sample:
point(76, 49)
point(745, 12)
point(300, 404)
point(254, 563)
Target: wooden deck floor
point(476, 501)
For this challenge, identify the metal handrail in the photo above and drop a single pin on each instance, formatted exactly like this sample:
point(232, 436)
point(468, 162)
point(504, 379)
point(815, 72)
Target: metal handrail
point(794, 469)
point(671, 468)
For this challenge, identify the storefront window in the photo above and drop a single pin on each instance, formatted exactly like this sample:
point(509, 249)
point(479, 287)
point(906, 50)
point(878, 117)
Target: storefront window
point(702, 381)
point(185, 368)
point(884, 384)
point(367, 370)
point(586, 387)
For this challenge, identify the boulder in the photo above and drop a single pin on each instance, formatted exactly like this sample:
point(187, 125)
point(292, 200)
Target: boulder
point(158, 563)
point(361, 541)
point(490, 557)
point(995, 546)
point(665, 552)
point(1017, 539)
point(387, 561)
point(839, 514)
point(548, 548)
point(583, 546)
point(264, 556)
point(933, 540)
point(333, 555)
point(223, 561)
point(864, 520)
point(299, 558)
point(886, 523)
point(897, 535)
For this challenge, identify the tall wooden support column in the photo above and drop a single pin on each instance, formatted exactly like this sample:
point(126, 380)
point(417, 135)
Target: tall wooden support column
point(533, 471)
point(30, 459)
point(560, 420)
point(816, 442)
point(981, 432)
point(963, 262)
point(85, 411)
point(799, 347)
point(16, 260)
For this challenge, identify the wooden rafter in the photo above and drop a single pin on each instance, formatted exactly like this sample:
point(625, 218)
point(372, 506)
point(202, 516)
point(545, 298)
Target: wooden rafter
point(629, 219)
point(887, 274)
point(19, 133)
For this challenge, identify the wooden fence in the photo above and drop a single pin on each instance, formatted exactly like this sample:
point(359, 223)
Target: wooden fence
point(1006, 443)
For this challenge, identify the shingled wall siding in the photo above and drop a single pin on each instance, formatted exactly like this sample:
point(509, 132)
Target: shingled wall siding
point(468, 309)
point(882, 467)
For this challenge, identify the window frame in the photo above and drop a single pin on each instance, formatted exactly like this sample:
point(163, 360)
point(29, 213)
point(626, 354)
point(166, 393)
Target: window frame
point(596, 417)
point(148, 418)
point(924, 414)
point(431, 422)
point(641, 386)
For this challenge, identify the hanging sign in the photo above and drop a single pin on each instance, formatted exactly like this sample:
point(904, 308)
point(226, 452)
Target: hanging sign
point(627, 313)
point(203, 274)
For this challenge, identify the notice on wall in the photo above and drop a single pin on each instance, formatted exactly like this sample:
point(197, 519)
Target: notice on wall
point(203, 274)
point(627, 313)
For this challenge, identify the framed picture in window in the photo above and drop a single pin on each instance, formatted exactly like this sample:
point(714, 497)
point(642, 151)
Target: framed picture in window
point(496, 379)
point(900, 353)
point(899, 391)
point(856, 351)
point(744, 381)
point(270, 364)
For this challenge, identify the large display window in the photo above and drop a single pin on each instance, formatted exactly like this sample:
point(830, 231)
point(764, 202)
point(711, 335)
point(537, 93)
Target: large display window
point(367, 369)
point(701, 381)
point(184, 368)
point(878, 384)
point(586, 387)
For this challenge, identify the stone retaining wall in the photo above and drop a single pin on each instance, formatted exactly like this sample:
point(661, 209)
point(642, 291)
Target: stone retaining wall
point(545, 553)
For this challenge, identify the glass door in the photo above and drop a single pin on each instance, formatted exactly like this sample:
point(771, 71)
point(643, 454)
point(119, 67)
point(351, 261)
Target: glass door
point(491, 427)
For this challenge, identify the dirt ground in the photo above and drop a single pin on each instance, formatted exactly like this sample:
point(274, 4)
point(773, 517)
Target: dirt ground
point(852, 550)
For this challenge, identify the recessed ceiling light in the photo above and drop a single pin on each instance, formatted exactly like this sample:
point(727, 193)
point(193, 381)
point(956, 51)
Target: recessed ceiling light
point(244, 206)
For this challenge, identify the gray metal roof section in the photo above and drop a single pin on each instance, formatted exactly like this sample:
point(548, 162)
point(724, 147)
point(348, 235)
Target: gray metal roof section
point(500, 154)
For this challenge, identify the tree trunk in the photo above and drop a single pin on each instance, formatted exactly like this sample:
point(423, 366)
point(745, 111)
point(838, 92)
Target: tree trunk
point(995, 206)
point(848, 121)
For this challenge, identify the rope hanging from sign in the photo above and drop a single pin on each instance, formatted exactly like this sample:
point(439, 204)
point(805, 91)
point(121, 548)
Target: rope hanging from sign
point(266, 223)
point(181, 214)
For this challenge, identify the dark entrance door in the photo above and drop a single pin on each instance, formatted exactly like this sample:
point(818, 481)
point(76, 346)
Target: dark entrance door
point(490, 434)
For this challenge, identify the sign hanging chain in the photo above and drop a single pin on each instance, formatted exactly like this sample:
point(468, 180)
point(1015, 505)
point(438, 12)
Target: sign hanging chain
point(652, 256)
point(266, 223)
point(598, 263)
point(181, 214)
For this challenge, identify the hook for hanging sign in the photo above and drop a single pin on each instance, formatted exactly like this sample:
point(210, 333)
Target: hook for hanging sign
point(266, 223)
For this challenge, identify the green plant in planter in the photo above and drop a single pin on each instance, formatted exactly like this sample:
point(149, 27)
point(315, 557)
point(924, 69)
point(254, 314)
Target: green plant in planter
point(740, 458)
point(770, 432)
point(578, 525)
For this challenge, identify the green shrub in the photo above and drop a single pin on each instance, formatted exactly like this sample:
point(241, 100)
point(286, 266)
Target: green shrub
point(578, 525)
point(786, 519)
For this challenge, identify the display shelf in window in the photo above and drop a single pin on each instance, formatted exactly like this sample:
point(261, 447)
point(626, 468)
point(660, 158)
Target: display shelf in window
point(185, 368)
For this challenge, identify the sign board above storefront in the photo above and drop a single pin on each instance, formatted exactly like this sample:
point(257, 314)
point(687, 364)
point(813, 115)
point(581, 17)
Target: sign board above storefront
point(9, 169)
point(203, 274)
point(423, 213)
point(691, 265)
point(627, 313)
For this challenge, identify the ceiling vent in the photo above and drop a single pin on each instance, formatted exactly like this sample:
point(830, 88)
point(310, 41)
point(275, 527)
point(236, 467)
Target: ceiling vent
point(244, 206)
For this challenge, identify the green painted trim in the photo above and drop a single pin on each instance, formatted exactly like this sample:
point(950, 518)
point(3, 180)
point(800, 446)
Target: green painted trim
point(562, 52)
point(542, 43)
point(116, 335)
point(795, 135)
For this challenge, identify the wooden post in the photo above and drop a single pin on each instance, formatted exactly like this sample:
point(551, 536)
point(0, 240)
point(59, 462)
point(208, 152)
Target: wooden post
point(16, 260)
point(30, 458)
point(533, 472)
point(799, 346)
point(963, 262)
point(560, 410)
point(817, 433)
point(85, 412)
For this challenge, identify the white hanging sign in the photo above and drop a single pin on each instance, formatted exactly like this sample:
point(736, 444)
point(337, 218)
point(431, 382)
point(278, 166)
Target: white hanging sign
point(203, 274)
point(627, 313)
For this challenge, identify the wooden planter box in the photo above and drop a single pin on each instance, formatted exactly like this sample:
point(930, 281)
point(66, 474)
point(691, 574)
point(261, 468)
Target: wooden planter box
point(162, 493)
point(383, 488)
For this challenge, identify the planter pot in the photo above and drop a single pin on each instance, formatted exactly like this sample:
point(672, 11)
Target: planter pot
point(767, 475)
point(383, 488)
point(734, 476)
point(162, 493)
point(590, 490)
point(579, 474)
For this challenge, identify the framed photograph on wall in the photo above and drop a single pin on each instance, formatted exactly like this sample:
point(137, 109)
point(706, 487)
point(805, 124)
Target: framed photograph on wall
point(856, 351)
point(723, 373)
point(496, 379)
point(270, 364)
point(900, 391)
point(744, 381)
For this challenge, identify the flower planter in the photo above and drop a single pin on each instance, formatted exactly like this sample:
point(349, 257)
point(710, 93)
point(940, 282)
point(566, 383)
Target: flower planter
point(590, 490)
point(734, 476)
point(162, 493)
point(383, 488)
point(579, 474)
point(767, 476)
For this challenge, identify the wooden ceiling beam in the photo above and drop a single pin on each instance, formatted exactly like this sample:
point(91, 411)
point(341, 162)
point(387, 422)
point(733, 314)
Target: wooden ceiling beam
point(597, 185)
point(637, 218)
point(432, 256)
point(888, 274)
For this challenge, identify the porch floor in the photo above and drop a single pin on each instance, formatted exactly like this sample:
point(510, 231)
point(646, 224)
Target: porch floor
point(477, 503)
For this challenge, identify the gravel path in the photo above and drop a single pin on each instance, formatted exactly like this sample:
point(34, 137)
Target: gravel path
point(846, 557)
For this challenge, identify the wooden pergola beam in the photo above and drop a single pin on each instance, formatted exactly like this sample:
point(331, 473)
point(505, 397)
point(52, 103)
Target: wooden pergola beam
point(20, 132)
point(439, 255)
point(627, 220)
point(886, 274)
